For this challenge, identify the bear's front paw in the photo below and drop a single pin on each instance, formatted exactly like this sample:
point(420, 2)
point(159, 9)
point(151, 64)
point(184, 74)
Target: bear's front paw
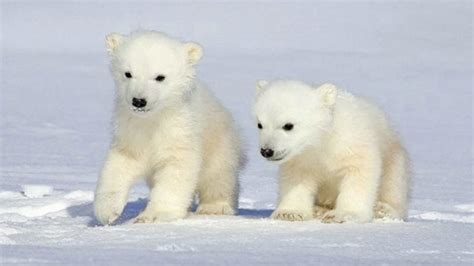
point(108, 206)
point(292, 215)
point(220, 208)
point(336, 216)
point(153, 216)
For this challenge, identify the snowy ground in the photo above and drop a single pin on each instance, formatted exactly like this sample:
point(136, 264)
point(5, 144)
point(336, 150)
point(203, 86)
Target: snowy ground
point(414, 58)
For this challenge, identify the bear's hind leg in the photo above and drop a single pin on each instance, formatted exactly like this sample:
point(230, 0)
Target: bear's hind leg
point(393, 191)
point(218, 186)
point(218, 189)
point(320, 211)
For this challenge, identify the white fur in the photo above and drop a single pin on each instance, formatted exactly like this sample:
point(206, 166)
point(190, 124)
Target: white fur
point(183, 141)
point(340, 162)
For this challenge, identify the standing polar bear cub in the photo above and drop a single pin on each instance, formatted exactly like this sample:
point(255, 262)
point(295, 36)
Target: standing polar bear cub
point(339, 158)
point(169, 129)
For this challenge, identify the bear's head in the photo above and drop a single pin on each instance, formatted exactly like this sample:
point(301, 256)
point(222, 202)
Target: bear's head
point(292, 116)
point(151, 70)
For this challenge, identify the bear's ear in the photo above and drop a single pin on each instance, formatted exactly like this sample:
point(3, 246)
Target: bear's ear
point(260, 85)
point(327, 93)
point(193, 51)
point(113, 40)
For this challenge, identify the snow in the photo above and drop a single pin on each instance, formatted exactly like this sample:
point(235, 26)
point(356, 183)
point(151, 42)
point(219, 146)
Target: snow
point(36, 191)
point(413, 58)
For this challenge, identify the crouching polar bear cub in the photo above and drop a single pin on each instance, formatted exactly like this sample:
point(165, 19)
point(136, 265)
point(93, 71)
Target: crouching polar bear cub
point(169, 129)
point(339, 159)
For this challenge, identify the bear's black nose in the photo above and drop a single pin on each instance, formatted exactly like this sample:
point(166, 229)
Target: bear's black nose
point(267, 153)
point(139, 103)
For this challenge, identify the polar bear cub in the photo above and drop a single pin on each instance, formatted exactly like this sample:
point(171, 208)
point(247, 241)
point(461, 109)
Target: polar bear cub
point(169, 129)
point(339, 158)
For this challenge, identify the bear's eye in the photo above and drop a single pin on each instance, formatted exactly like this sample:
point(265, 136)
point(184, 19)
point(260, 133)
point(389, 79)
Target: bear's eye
point(128, 75)
point(160, 78)
point(288, 127)
point(260, 126)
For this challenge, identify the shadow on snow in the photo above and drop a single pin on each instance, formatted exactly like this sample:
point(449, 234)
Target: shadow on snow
point(133, 208)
